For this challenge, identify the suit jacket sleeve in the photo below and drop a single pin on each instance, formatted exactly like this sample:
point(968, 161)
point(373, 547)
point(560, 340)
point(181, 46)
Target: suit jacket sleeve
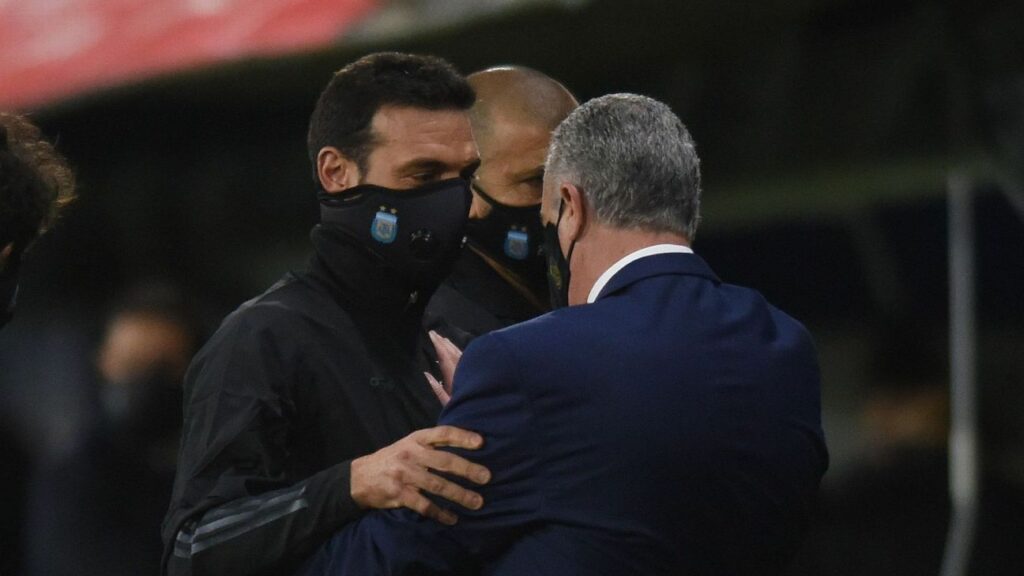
point(489, 399)
point(236, 509)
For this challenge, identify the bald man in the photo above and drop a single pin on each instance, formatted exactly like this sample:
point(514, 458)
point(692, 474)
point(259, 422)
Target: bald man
point(500, 278)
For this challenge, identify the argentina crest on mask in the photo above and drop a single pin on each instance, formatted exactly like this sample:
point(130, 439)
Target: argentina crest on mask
point(384, 228)
point(517, 243)
point(513, 233)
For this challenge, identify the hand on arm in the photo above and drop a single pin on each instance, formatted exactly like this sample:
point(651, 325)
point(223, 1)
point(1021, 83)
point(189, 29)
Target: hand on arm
point(396, 476)
point(490, 399)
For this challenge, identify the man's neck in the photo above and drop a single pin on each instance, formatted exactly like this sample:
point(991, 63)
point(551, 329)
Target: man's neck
point(603, 246)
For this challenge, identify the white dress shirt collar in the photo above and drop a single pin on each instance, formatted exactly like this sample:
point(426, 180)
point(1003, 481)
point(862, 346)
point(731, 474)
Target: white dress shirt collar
point(630, 258)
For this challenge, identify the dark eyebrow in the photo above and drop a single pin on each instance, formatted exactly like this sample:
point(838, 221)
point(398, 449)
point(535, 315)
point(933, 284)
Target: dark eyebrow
point(422, 164)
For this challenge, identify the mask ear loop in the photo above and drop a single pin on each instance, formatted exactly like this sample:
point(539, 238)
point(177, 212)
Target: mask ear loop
point(494, 203)
point(480, 192)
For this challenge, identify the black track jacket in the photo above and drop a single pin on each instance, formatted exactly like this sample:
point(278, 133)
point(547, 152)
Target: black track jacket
point(324, 367)
point(475, 300)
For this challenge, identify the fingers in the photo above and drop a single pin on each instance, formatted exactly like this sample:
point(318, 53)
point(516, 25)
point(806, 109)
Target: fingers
point(450, 361)
point(442, 395)
point(448, 462)
point(457, 465)
point(444, 347)
point(434, 484)
point(452, 349)
point(448, 436)
point(438, 341)
point(448, 356)
point(417, 502)
point(400, 474)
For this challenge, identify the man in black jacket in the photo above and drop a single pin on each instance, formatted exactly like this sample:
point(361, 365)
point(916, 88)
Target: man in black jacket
point(500, 279)
point(289, 400)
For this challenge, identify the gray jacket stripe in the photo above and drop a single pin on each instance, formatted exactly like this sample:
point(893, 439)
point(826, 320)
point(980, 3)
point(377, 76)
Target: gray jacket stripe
point(247, 504)
point(220, 524)
point(238, 531)
point(210, 524)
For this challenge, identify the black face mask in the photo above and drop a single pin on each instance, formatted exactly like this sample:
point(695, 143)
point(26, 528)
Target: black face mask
point(558, 265)
point(9, 289)
point(513, 236)
point(417, 233)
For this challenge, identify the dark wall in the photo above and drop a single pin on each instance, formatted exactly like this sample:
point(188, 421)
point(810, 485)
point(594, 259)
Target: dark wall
point(202, 178)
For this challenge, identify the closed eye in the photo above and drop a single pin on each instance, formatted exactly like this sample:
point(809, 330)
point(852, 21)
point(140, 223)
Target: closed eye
point(425, 177)
point(534, 177)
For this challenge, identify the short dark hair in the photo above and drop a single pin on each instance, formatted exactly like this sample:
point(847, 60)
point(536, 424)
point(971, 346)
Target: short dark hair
point(35, 182)
point(346, 107)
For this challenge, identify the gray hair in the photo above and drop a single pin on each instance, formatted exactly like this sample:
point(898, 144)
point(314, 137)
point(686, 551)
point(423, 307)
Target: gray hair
point(635, 162)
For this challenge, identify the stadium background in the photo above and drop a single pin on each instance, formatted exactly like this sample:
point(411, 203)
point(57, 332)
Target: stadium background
point(828, 130)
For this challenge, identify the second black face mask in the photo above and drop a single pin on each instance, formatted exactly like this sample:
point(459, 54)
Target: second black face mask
point(513, 236)
point(417, 232)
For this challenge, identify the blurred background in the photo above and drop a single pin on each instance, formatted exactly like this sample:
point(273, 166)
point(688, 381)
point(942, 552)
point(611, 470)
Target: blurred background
point(831, 132)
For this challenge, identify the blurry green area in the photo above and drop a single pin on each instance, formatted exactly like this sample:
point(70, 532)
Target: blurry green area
point(827, 131)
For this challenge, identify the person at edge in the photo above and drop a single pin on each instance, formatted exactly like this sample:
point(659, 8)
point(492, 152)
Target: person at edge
point(663, 423)
point(308, 405)
point(500, 278)
point(36, 184)
point(96, 508)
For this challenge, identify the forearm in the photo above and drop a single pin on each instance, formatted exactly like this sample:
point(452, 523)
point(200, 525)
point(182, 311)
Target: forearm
point(267, 533)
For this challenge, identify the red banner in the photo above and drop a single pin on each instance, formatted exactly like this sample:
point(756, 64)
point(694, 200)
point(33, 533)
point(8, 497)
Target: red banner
point(51, 49)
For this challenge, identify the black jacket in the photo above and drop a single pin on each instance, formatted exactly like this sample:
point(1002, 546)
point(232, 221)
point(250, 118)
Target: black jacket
point(324, 367)
point(475, 300)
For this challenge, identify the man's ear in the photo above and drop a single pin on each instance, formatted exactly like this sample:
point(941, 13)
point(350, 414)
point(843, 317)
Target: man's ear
point(574, 215)
point(335, 171)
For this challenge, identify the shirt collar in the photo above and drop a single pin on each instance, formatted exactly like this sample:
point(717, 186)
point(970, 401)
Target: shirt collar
point(630, 258)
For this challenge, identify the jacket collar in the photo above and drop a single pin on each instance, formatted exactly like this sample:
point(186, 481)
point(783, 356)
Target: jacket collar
point(375, 298)
point(658, 265)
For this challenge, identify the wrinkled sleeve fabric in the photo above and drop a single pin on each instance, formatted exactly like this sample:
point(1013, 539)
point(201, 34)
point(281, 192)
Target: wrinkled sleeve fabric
point(489, 398)
point(235, 507)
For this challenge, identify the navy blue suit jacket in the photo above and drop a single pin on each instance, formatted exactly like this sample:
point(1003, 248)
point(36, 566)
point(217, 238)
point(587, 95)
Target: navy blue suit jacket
point(671, 427)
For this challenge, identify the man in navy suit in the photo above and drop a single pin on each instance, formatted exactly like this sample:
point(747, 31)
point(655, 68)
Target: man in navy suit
point(663, 423)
